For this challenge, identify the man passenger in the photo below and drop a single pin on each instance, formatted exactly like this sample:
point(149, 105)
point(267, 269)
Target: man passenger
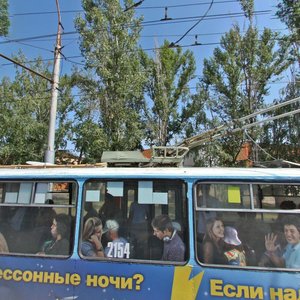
point(163, 229)
point(291, 255)
point(117, 246)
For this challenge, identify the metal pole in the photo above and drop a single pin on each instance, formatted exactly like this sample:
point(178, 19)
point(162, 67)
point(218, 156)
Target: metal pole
point(50, 153)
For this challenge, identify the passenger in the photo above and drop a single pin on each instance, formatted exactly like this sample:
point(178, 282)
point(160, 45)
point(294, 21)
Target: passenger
point(139, 216)
point(117, 247)
point(213, 242)
point(109, 209)
point(17, 219)
point(37, 237)
point(252, 230)
point(3, 244)
point(174, 248)
point(287, 204)
point(234, 252)
point(59, 245)
point(91, 238)
point(291, 254)
point(90, 211)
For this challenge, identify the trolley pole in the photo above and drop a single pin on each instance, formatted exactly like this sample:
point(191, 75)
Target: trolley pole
point(50, 153)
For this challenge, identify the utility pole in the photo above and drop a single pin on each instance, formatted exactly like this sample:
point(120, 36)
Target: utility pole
point(50, 153)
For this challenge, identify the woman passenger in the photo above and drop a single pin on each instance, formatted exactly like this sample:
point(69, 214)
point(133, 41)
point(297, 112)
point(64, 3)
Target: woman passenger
point(59, 245)
point(213, 242)
point(91, 238)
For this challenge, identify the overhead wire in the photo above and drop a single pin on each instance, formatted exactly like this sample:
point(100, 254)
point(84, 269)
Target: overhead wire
point(33, 46)
point(189, 30)
point(137, 8)
point(186, 5)
point(202, 17)
point(225, 129)
point(257, 145)
point(147, 23)
point(144, 49)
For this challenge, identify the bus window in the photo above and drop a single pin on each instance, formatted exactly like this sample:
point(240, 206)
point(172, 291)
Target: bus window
point(251, 233)
point(34, 216)
point(276, 196)
point(119, 222)
point(223, 195)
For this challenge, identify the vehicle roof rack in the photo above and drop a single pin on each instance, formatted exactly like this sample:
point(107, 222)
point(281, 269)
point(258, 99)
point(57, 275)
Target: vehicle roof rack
point(157, 156)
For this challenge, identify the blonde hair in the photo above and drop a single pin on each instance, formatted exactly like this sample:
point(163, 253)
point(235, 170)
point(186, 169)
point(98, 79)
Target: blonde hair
point(89, 227)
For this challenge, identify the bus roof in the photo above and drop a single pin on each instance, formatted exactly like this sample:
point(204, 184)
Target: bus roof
point(205, 173)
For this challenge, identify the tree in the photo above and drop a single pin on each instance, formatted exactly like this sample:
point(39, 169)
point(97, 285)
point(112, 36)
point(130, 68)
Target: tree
point(4, 18)
point(236, 80)
point(169, 105)
point(281, 138)
point(289, 13)
point(112, 83)
point(25, 106)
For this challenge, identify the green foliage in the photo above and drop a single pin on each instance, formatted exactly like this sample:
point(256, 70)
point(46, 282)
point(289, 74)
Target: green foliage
point(25, 106)
point(113, 80)
point(289, 13)
point(169, 105)
point(248, 8)
point(236, 81)
point(281, 138)
point(4, 18)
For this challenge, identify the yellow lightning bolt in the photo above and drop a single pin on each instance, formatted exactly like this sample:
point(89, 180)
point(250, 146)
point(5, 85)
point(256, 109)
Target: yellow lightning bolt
point(183, 286)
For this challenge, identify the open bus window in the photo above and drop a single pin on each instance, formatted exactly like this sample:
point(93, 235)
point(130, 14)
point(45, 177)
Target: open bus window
point(120, 214)
point(255, 235)
point(35, 215)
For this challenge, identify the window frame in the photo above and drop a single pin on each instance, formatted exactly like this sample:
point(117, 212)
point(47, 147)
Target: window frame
point(184, 208)
point(73, 197)
point(252, 209)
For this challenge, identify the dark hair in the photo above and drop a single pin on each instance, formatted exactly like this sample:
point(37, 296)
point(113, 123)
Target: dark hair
point(292, 220)
point(63, 224)
point(162, 223)
point(287, 204)
point(45, 216)
point(89, 227)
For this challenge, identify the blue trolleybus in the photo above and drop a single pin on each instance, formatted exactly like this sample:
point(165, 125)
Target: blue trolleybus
point(149, 233)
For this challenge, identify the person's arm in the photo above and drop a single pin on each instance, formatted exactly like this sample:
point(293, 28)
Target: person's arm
point(99, 251)
point(208, 253)
point(271, 248)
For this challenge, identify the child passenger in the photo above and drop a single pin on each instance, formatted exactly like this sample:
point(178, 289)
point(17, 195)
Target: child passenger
point(233, 249)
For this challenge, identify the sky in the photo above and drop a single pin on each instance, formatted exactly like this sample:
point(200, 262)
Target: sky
point(34, 26)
